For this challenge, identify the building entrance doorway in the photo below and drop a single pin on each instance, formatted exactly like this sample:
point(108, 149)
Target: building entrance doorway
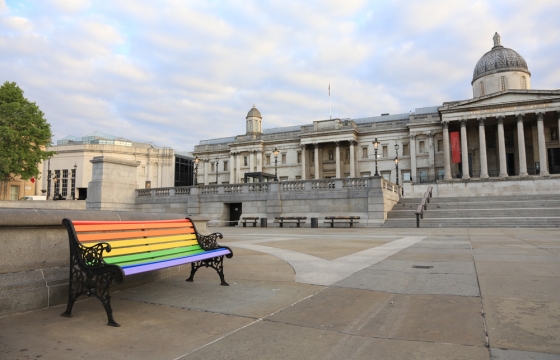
point(510, 164)
point(554, 161)
point(235, 211)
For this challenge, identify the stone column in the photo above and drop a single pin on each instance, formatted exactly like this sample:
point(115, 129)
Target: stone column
point(446, 156)
point(251, 161)
point(464, 150)
point(431, 157)
point(521, 146)
point(259, 161)
point(413, 158)
point(231, 168)
point(205, 166)
point(542, 144)
point(353, 165)
point(502, 147)
point(303, 157)
point(337, 157)
point(316, 161)
point(482, 143)
point(238, 168)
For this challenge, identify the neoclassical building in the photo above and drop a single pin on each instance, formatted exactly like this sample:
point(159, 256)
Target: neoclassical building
point(507, 129)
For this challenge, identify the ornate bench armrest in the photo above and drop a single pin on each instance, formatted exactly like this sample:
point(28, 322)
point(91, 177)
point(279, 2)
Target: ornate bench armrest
point(209, 242)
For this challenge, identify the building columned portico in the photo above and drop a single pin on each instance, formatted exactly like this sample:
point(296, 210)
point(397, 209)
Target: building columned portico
point(507, 129)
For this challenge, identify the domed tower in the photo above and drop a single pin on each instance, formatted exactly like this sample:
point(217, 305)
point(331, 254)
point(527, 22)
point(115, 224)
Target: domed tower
point(254, 121)
point(500, 69)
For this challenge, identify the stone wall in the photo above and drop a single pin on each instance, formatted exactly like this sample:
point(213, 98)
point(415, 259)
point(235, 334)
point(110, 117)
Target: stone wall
point(35, 256)
point(513, 185)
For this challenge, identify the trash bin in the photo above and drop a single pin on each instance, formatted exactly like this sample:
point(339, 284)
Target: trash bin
point(264, 222)
point(314, 223)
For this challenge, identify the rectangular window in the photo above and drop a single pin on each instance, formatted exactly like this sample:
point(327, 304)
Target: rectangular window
point(347, 154)
point(64, 174)
point(245, 161)
point(405, 150)
point(299, 158)
point(440, 174)
point(225, 166)
point(523, 83)
point(440, 145)
point(298, 177)
point(65, 185)
point(284, 159)
point(423, 175)
point(283, 178)
point(267, 159)
point(503, 83)
point(364, 153)
point(365, 174)
point(212, 167)
point(385, 152)
point(421, 147)
point(312, 158)
point(406, 175)
point(331, 155)
point(14, 192)
point(553, 134)
point(386, 175)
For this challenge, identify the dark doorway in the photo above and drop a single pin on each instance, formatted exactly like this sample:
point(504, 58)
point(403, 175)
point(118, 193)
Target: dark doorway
point(510, 164)
point(554, 161)
point(82, 193)
point(235, 211)
point(470, 165)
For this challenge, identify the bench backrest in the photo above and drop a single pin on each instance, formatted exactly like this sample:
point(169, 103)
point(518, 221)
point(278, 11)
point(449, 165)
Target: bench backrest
point(136, 243)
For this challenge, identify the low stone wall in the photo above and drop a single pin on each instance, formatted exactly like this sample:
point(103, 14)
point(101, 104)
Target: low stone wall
point(34, 256)
point(44, 204)
point(512, 185)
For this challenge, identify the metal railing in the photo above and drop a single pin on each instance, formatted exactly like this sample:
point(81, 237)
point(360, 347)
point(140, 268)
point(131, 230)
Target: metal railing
point(423, 206)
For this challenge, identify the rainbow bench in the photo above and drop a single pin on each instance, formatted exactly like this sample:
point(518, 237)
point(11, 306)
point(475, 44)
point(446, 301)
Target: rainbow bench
point(103, 251)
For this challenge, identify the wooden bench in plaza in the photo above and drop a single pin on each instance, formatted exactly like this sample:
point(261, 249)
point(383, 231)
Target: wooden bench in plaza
point(298, 220)
point(250, 220)
point(341, 220)
point(103, 251)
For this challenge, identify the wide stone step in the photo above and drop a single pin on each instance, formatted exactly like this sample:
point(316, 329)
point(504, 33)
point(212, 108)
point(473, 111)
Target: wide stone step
point(477, 213)
point(481, 222)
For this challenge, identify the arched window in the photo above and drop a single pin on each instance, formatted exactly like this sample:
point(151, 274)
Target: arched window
point(523, 82)
point(503, 83)
point(481, 88)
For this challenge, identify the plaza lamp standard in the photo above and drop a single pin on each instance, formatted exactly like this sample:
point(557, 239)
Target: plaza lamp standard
point(375, 146)
point(196, 160)
point(397, 161)
point(276, 152)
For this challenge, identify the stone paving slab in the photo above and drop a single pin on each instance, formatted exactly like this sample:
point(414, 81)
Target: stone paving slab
point(539, 288)
point(392, 316)
point(506, 354)
point(504, 268)
point(525, 325)
point(146, 332)
point(267, 340)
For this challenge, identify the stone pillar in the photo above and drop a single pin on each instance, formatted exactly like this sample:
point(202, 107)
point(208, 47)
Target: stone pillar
point(231, 168)
point(259, 161)
point(251, 161)
point(352, 161)
point(316, 161)
point(482, 144)
point(113, 184)
point(413, 157)
point(521, 146)
point(303, 165)
point(431, 157)
point(205, 164)
point(542, 144)
point(502, 147)
point(446, 155)
point(337, 157)
point(238, 173)
point(464, 150)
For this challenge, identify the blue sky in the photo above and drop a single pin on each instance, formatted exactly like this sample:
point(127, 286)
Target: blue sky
point(176, 72)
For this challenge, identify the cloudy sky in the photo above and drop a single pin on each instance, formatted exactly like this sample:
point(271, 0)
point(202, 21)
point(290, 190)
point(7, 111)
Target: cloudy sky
point(175, 72)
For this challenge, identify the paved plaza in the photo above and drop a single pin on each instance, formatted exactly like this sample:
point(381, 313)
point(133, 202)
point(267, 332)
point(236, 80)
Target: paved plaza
point(327, 294)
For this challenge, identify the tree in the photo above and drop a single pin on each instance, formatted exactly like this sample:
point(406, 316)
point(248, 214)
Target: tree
point(24, 135)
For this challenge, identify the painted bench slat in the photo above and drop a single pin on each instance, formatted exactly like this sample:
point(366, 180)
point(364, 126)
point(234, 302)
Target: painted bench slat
point(163, 265)
point(131, 225)
point(150, 248)
point(130, 234)
point(179, 255)
point(140, 241)
point(147, 256)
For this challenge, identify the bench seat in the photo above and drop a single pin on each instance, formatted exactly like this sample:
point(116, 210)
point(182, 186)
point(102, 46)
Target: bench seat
point(341, 219)
point(103, 251)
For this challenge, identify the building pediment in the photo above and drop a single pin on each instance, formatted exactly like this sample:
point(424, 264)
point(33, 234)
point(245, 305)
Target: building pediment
point(504, 103)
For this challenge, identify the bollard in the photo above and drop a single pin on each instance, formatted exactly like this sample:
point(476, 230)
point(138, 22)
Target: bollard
point(314, 223)
point(264, 222)
point(417, 220)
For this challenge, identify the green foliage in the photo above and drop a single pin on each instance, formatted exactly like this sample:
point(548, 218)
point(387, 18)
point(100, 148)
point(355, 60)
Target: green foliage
point(24, 134)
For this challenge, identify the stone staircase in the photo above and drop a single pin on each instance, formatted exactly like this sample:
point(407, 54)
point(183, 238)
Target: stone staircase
point(486, 211)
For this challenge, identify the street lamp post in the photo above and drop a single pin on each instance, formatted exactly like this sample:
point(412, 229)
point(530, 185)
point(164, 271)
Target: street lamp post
point(196, 160)
point(375, 146)
point(55, 180)
point(217, 165)
point(74, 185)
point(397, 161)
point(276, 164)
